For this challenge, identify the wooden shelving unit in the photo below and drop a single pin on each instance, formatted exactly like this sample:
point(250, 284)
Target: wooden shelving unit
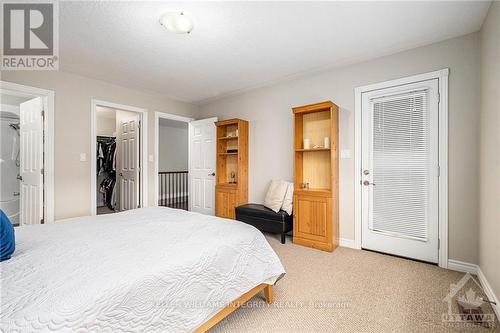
point(316, 213)
point(232, 160)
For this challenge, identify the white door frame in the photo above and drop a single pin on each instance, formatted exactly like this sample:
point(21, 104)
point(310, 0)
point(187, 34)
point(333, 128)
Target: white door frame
point(48, 143)
point(143, 156)
point(442, 77)
point(170, 116)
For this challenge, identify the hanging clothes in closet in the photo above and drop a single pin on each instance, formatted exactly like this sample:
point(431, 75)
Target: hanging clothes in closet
point(106, 166)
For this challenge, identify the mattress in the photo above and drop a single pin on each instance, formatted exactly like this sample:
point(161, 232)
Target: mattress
point(146, 270)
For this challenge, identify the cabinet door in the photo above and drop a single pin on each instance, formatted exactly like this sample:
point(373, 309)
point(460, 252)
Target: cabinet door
point(313, 218)
point(225, 203)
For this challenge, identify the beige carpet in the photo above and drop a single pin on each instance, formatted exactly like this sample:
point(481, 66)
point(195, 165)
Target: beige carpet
point(352, 291)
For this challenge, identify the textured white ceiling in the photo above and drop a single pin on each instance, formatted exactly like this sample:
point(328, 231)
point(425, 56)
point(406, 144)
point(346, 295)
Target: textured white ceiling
point(240, 45)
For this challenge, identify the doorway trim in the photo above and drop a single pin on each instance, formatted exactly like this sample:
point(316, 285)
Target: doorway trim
point(48, 142)
point(156, 155)
point(144, 150)
point(442, 77)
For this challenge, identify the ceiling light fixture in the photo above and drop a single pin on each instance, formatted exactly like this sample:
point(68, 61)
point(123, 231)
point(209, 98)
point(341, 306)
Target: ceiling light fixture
point(178, 22)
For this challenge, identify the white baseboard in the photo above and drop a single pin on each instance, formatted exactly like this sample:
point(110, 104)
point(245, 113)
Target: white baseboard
point(466, 267)
point(489, 292)
point(347, 243)
point(460, 266)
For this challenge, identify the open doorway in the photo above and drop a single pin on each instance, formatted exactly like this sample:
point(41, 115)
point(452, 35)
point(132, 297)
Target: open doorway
point(185, 141)
point(173, 164)
point(118, 134)
point(172, 161)
point(26, 158)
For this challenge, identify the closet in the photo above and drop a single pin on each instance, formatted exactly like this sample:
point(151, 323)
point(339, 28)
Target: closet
point(316, 176)
point(106, 173)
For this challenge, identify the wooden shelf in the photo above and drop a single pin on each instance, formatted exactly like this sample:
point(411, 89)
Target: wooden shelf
point(313, 149)
point(326, 190)
point(315, 210)
point(314, 191)
point(231, 164)
point(228, 184)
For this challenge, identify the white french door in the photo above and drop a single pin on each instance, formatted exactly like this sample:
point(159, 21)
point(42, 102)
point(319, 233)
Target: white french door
point(31, 168)
point(128, 141)
point(202, 148)
point(400, 170)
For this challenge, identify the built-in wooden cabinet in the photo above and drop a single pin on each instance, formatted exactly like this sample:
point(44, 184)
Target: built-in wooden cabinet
point(315, 200)
point(231, 187)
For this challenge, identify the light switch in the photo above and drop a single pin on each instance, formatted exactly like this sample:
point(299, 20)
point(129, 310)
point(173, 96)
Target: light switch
point(345, 153)
point(151, 158)
point(83, 157)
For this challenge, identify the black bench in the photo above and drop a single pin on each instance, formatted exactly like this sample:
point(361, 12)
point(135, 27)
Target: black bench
point(265, 219)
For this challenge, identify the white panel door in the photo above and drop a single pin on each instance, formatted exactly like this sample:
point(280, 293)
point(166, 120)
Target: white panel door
point(128, 140)
point(31, 169)
point(202, 148)
point(400, 170)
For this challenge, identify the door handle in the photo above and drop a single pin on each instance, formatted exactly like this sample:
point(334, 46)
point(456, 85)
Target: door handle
point(19, 177)
point(16, 194)
point(212, 174)
point(120, 174)
point(367, 183)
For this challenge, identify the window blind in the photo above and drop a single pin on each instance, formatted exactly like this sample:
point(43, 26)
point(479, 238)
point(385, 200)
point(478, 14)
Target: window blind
point(401, 164)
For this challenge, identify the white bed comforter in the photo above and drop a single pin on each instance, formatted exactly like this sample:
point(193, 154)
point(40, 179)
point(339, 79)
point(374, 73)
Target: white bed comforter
point(146, 270)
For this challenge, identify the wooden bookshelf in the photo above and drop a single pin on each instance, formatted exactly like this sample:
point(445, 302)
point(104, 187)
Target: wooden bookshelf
point(232, 160)
point(315, 213)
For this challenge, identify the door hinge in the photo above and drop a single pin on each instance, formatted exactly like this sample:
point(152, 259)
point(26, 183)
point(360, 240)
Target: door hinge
point(439, 171)
point(439, 97)
point(41, 171)
point(43, 113)
point(439, 243)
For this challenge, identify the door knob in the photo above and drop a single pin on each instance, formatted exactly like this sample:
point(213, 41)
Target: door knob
point(19, 177)
point(366, 172)
point(16, 194)
point(212, 174)
point(367, 183)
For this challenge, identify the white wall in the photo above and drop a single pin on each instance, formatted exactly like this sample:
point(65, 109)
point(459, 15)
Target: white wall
point(489, 229)
point(268, 110)
point(173, 145)
point(73, 95)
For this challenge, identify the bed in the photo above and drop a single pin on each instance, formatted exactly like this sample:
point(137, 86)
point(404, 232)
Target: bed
point(146, 270)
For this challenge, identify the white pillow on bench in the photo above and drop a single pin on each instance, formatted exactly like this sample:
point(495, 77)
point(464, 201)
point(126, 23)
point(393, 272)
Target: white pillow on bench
point(288, 200)
point(275, 195)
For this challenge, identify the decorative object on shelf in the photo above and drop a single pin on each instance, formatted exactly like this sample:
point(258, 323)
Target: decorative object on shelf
point(232, 150)
point(327, 142)
point(307, 144)
point(232, 134)
point(233, 177)
point(315, 200)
